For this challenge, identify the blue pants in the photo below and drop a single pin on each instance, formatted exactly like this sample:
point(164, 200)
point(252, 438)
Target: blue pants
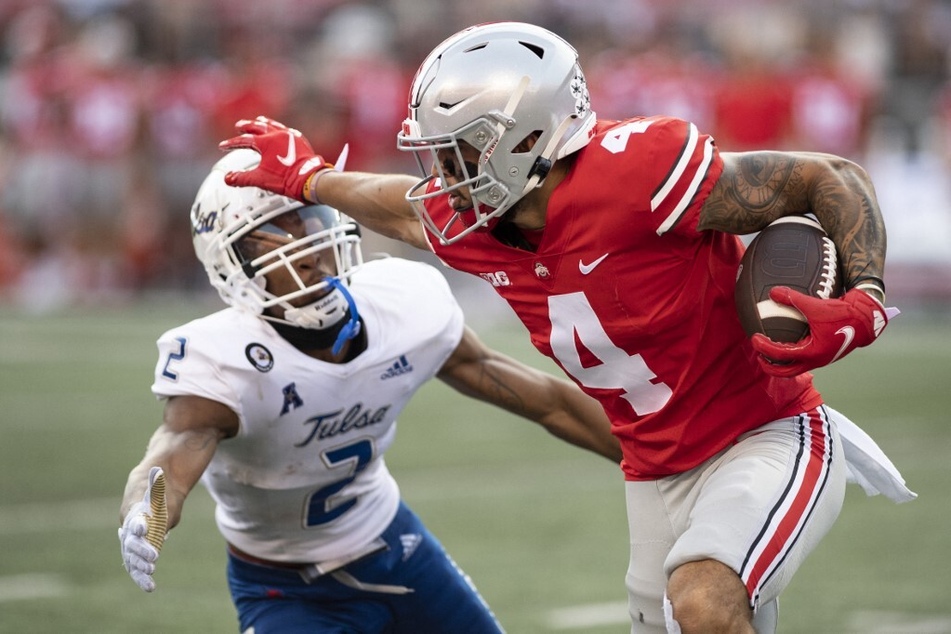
point(441, 598)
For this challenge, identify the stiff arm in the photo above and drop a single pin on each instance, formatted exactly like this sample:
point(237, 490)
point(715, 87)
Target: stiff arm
point(376, 201)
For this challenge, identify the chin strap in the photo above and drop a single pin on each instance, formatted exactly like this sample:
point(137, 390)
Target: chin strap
point(352, 328)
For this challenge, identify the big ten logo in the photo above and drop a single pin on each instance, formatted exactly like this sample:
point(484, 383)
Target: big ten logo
point(499, 278)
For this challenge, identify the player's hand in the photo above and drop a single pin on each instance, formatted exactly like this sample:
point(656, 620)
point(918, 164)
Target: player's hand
point(836, 328)
point(143, 531)
point(287, 159)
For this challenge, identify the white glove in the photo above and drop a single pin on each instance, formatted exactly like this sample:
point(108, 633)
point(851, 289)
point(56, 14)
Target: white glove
point(143, 531)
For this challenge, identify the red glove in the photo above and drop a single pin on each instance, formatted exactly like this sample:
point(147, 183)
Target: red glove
point(836, 328)
point(287, 159)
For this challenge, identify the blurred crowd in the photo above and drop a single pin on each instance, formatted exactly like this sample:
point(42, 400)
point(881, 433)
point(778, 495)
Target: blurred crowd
point(111, 110)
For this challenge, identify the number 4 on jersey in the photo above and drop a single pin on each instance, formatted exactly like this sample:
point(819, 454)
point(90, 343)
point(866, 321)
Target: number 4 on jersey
point(572, 313)
point(615, 139)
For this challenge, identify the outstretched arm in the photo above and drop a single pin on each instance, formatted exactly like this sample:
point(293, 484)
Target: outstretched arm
point(556, 404)
point(376, 201)
point(182, 447)
point(755, 189)
point(290, 167)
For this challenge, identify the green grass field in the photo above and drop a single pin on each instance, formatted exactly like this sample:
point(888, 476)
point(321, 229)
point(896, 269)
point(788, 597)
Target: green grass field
point(538, 525)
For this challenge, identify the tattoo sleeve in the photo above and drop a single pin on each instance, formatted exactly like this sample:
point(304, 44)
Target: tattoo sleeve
point(756, 188)
point(846, 206)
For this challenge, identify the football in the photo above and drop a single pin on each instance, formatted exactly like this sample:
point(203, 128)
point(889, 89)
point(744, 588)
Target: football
point(793, 251)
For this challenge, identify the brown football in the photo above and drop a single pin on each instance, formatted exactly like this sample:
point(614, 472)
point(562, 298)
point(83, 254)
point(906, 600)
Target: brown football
point(793, 251)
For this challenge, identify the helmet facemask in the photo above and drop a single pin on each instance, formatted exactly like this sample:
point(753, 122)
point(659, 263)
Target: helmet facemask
point(490, 196)
point(245, 235)
point(494, 87)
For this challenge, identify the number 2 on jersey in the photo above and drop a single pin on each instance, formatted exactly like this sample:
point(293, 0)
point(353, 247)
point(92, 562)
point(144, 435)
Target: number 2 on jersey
point(323, 505)
point(176, 355)
point(572, 313)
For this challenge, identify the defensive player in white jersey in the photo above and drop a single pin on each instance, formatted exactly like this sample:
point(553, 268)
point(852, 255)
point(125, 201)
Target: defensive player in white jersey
point(615, 244)
point(284, 404)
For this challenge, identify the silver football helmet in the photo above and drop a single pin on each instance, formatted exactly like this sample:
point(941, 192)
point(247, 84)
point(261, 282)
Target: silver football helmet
point(493, 86)
point(241, 234)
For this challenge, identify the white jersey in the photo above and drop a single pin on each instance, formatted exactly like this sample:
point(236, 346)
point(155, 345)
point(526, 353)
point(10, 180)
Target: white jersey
point(304, 480)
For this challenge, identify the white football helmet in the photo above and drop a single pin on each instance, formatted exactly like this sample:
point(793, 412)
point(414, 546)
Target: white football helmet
point(241, 234)
point(492, 86)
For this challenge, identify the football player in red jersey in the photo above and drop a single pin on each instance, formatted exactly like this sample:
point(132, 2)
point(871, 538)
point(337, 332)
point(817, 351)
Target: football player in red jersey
point(616, 244)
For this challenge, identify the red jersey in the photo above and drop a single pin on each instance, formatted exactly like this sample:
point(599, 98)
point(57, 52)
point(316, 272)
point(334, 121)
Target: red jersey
point(633, 302)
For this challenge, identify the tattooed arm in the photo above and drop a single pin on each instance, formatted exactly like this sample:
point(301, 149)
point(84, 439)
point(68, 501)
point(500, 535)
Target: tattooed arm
point(756, 188)
point(183, 445)
point(556, 404)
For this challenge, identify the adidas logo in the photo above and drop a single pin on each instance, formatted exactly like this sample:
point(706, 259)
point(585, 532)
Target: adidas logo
point(410, 542)
point(400, 366)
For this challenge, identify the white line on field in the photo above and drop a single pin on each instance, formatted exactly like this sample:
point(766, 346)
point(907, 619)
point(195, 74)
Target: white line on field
point(886, 622)
point(97, 513)
point(59, 516)
point(579, 617)
point(88, 514)
point(32, 586)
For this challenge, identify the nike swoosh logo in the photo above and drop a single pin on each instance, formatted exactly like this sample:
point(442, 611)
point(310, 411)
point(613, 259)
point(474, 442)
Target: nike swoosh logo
point(291, 156)
point(587, 268)
point(849, 333)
